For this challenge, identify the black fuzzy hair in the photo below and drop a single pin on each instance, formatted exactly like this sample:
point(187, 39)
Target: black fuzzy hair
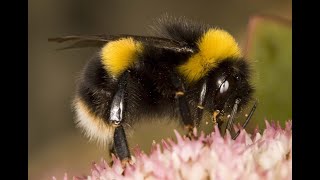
point(180, 29)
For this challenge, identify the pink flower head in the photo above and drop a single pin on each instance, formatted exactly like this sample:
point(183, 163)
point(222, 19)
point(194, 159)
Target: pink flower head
point(257, 156)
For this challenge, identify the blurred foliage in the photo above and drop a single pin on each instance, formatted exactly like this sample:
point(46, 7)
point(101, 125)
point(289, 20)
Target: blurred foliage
point(270, 47)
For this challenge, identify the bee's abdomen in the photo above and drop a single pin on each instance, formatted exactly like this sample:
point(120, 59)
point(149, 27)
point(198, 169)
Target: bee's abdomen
point(94, 94)
point(93, 126)
point(96, 87)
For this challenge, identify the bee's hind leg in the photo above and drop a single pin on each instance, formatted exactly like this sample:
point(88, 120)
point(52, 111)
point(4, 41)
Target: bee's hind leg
point(117, 114)
point(120, 146)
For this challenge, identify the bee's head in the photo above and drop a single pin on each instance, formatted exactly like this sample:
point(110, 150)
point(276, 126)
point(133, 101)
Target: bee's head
point(228, 83)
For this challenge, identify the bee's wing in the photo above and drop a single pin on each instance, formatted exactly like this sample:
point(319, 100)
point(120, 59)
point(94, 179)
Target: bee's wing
point(82, 41)
point(100, 40)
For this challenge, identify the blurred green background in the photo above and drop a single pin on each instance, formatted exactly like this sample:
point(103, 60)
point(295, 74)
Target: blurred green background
point(55, 146)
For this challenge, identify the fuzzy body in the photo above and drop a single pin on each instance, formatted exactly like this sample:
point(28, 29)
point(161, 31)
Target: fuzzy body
point(216, 57)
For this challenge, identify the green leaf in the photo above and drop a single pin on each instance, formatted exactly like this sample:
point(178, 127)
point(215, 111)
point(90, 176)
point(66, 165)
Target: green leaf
point(270, 49)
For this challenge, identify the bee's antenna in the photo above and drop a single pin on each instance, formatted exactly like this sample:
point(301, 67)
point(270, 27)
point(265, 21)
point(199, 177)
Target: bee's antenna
point(247, 120)
point(233, 113)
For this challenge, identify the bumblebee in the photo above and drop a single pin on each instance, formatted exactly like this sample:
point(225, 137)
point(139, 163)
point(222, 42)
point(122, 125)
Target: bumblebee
point(186, 68)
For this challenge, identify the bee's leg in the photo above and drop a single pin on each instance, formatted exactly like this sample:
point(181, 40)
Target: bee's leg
point(220, 123)
point(200, 106)
point(111, 149)
point(186, 116)
point(121, 147)
point(232, 116)
point(247, 120)
point(182, 104)
point(177, 84)
point(117, 114)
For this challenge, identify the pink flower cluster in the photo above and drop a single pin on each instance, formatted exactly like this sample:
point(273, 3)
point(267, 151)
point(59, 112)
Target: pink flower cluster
point(256, 156)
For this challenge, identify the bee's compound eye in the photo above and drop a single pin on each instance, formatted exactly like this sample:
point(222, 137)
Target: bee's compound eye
point(224, 87)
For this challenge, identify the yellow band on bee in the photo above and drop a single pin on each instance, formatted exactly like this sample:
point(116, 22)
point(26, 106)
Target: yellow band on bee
point(214, 46)
point(117, 56)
